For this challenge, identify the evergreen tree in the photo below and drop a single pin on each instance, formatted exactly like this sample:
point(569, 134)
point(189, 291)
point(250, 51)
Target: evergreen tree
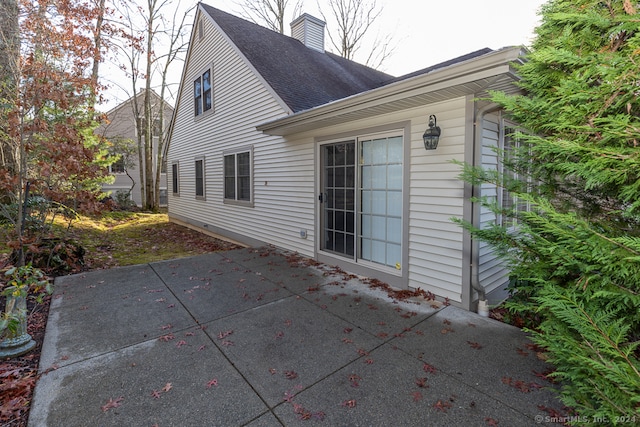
point(575, 255)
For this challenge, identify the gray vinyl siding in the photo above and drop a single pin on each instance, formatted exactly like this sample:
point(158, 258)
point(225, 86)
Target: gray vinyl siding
point(436, 195)
point(282, 174)
point(492, 273)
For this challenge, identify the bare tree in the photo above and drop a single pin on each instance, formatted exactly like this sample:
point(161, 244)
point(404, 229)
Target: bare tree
point(177, 33)
point(151, 44)
point(271, 13)
point(353, 20)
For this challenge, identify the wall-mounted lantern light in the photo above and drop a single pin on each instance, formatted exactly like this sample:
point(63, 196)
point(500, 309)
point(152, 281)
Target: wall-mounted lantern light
point(432, 134)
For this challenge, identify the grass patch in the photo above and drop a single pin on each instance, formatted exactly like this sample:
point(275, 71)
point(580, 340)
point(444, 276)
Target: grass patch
point(128, 238)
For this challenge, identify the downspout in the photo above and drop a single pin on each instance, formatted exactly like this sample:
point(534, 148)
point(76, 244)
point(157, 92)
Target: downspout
point(483, 304)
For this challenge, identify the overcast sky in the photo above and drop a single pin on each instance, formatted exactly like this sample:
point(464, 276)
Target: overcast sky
point(425, 32)
point(432, 31)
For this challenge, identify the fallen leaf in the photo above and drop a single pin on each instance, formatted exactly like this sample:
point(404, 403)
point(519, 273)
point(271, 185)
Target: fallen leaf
point(417, 396)
point(429, 368)
point(112, 404)
point(167, 387)
point(224, 334)
point(422, 382)
point(475, 345)
point(290, 375)
point(491, 422)
point(213, 382)
point(166, 338)
point(351, 403)
point(442, 406)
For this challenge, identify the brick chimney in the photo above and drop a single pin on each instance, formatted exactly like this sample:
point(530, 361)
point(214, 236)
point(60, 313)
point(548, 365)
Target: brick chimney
point(309, 30)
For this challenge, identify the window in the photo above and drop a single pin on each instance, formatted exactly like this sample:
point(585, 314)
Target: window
point(511, 202)
point(118, 166)
point(202, 93)
point(200, 29)
point(237, 176)
point(199, 169)
point(174, 179)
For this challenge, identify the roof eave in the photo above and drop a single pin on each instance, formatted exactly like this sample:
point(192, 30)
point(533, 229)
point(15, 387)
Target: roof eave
point(469, 77)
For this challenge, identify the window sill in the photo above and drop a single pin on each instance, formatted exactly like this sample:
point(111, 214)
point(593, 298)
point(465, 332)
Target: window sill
point(245, 203)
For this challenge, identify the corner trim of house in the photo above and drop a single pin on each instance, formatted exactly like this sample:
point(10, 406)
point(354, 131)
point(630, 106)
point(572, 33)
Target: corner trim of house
point(468, 206)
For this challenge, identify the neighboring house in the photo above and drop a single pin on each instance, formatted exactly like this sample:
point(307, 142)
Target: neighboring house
point(276, 141)
point(121, 127)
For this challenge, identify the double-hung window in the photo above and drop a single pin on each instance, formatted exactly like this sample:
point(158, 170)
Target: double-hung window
point(202, 93)
point(199, 178)
point(237, 176)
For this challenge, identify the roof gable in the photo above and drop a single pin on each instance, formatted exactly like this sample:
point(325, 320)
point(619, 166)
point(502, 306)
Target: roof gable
point(303, 78)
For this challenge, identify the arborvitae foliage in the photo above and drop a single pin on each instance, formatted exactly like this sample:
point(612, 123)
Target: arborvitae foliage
point(576, 252)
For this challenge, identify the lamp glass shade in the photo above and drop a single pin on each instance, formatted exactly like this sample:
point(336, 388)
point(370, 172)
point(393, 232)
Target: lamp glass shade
point(431, 137)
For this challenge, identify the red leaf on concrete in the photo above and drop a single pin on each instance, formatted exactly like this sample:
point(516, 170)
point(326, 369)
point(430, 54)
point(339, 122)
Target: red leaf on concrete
point(351, 403)
point(224, 334)
point(112, 403)
point(429, 368)
point(422, 382)
point(290, 375)
point(213, 382)
point(166, 338)
point(442, 406)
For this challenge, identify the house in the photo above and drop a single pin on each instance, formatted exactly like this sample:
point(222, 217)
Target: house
point(121, 129)
point(276, 141)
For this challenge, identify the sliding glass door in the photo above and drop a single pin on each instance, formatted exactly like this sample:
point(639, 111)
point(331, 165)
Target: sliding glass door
point(361, 199)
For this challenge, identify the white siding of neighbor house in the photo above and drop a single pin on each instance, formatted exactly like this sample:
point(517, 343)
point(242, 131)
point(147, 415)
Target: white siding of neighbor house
point(492, 274)
point(282, 173)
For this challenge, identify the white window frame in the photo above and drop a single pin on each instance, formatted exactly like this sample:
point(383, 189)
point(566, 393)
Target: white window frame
point(175, 178)
point(200, 108)
point(508, 200)
point(235, 200)
point(202, 196)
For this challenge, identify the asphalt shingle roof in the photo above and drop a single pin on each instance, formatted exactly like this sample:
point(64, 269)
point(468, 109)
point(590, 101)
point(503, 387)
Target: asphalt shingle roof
point(303, 77)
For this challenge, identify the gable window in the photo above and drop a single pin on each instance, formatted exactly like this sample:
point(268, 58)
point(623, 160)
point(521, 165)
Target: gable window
point(175, 188)
point(200, 29)
point(199, 175)
point(202, 93)
point(237, 176)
